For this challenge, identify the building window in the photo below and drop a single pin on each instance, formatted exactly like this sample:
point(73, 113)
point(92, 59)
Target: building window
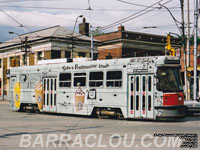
point(12, 62)
point(67, 54)
point(80, 79)
point(55, 54)
point(65, 80)
point(39, 56)
point(109, 56)
point(96, 79)
point(114, 79)
point(95, 56)
point(24, 60)
point(81, 54)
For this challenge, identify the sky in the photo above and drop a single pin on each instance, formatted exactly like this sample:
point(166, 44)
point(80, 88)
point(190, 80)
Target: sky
point(23, 16)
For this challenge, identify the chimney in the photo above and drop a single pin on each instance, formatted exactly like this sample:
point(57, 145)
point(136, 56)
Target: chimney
point(84, 28)
point(121, 28)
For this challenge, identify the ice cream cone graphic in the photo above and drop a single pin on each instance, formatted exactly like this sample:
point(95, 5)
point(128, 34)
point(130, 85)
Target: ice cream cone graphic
point(17, 89)
point(39, 95)
point(79, 99)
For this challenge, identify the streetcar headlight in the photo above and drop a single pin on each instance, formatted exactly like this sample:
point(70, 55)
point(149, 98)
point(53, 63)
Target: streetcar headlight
point(180, 98)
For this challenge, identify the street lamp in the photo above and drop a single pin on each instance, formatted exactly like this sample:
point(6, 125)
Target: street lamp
point(25, 46)
point(80, 16)
point(16, 34)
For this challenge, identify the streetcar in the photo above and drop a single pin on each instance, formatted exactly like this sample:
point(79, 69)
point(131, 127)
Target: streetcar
point(130, 88)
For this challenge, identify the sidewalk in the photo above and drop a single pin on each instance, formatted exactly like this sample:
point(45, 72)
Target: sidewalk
point(193, 106)
point(4, 102)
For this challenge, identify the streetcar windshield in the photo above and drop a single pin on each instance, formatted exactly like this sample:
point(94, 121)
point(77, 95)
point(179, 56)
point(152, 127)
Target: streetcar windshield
point(169, 79)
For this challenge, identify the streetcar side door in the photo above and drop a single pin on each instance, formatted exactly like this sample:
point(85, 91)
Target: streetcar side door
point(50, 95)
point(140, 96)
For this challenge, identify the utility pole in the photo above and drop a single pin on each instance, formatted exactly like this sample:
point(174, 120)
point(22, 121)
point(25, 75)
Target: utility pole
point(92, 44)
point(24, 44)
point(184, 51)
point(26, 49)
point(188, 33)
point(188, 44)
point(195, 49)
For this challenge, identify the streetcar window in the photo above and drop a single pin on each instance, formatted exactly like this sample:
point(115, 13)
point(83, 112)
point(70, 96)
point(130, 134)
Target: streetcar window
point(51, 84)
point(149, 102)
point(96, 79)
point(169, 79)
point(132, 86)
point(44, 84)
point(137, 83)
point(114, 79)
point(47, 84)
point(143, 102)
point(51, 100)
point(55, 84)
point(47, 98)
point(80, 79)
point(143, 82)
point(137, 102)
point(64, 80)
point(131, 102)
point(54, 99)
point(149, 83)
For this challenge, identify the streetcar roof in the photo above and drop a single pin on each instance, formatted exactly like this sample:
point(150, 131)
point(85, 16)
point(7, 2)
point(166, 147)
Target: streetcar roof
point(104, 64)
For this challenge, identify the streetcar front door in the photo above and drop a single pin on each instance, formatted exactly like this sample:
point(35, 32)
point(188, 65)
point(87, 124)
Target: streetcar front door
point(140, 96)
point(49, 97)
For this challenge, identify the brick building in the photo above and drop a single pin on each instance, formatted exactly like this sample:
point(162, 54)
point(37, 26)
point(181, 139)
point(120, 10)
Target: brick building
point(191, 59)
point(190, 70)
point(122, 44)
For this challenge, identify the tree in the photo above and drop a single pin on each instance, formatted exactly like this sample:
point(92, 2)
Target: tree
point(192, 40)
point(97, 32)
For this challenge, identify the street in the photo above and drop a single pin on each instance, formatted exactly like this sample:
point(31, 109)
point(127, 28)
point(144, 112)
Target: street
point(22, 130)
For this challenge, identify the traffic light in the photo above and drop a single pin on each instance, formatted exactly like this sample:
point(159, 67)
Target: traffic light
point(168, 42)
point(172, 52)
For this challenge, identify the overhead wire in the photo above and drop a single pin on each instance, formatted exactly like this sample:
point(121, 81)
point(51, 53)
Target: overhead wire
point(11, 18)
point(130, 17)
point(20, 25)
point(134, 3)
point(67, 8)
point(16, 1)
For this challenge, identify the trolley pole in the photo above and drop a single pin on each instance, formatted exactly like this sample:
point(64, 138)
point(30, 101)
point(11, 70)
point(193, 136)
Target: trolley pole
point(195, 49)
point(184, 50)
point(188, 44)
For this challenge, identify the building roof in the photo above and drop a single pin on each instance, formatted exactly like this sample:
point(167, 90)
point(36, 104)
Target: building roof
point(121, 33)
point(52, 32)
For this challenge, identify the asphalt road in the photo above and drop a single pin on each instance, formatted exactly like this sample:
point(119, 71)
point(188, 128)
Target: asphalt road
point(22, 130)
